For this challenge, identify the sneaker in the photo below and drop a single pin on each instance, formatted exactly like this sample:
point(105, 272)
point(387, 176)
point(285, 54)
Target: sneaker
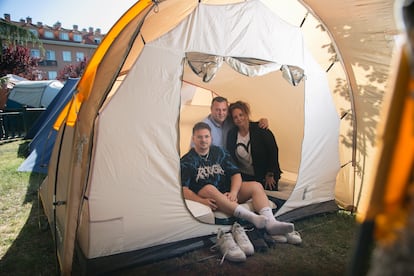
point(242, 239)
point(268, 238)
point(280, 238)
point(229, 248)
point(256, 237)
point(294, 238)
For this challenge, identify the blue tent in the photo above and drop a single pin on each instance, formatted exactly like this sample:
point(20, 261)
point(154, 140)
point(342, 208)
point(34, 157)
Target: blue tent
point(40, 148)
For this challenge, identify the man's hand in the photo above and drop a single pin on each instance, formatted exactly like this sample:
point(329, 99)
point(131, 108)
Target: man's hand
point(263, 123)
point(210, 203)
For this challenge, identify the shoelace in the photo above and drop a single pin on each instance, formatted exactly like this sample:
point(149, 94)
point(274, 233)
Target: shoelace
point(213, 249)
point(224, 256)
point(239, 230)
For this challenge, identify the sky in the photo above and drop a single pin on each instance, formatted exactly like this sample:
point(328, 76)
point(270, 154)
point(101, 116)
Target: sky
point(101, 14)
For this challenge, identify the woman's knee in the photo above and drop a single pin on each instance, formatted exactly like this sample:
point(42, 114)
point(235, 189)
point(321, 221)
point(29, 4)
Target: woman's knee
point(254, 185)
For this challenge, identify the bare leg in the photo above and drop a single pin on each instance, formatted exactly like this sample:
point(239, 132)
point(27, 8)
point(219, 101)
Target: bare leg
point(232, 208)
point(223, 204)
point(255, 191)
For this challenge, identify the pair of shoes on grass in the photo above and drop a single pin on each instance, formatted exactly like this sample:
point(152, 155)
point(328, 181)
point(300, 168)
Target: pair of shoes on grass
point(292, 238)
point(235, 246)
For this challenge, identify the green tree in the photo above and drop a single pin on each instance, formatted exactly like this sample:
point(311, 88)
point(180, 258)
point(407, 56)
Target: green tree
point(13, 34)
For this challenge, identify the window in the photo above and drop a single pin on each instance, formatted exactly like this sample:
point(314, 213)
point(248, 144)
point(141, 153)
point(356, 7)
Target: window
point(77, 37)
point(34, 32)
point(52, 75)
point(50, 55)
point(80, 56)
point(35, 53)
point(64, 36)
point(49, 34)
point(98, 40)
point(67, 56)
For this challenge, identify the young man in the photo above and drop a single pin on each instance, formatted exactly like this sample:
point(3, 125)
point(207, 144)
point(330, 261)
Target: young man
point(220, 123)
point(209, 176)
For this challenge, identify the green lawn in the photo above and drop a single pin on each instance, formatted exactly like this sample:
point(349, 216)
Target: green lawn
point(27, 248)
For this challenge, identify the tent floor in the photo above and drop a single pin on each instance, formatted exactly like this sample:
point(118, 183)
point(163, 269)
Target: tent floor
point(309, 210)
point(116, 262)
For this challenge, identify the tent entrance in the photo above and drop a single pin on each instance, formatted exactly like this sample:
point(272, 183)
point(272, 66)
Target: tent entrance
point(269, 95)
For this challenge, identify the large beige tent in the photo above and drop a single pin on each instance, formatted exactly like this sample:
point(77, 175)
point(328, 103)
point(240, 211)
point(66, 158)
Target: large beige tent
point(318, 70)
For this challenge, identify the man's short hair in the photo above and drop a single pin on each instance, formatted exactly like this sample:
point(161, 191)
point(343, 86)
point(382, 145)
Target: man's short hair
point(219, 99)
point(201, 125)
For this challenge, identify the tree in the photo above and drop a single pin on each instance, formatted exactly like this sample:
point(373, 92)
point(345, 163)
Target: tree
point(15, 58)
point(72, 70)
point(13, 34)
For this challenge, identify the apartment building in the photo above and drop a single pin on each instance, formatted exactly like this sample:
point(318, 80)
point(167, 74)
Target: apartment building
point(61, 46)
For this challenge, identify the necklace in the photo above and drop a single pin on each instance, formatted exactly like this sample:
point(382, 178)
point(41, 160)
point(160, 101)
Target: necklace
point(204, 157)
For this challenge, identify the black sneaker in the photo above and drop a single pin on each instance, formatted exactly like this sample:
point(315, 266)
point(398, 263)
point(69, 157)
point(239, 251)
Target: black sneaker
point(267, 238)
point(256, 237)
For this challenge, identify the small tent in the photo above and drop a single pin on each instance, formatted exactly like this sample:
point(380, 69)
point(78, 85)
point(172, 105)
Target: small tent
point(42, 133)
point(113, 189)
point(33, 93)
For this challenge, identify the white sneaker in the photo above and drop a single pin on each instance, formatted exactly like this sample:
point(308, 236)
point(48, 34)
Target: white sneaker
point(229, 248)
point(294, 238)
point(280, 238)
point(242, 239)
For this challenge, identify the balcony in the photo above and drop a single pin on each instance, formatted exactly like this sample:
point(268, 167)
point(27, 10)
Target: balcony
point(47, 63)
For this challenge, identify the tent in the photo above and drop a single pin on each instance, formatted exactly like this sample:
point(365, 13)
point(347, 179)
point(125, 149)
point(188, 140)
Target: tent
point(315, 70)
point(33, 93)
point(54, 108)
point(42, 133)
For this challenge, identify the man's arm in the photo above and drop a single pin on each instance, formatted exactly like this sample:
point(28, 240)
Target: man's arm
point(190, 195)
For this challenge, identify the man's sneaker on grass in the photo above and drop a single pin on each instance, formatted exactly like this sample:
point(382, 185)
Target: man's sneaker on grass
point(242, 239)
point(229, 248)
point(279, 238)
point(292, 238)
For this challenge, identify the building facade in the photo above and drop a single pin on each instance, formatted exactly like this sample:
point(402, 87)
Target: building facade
point(61, 46)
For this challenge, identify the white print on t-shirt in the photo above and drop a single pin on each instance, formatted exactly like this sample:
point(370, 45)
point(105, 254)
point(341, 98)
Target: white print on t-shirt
point(205, 172)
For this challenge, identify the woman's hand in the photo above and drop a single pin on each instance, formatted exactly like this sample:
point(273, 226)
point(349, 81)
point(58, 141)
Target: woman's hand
point(231, 196)
point(270, 182)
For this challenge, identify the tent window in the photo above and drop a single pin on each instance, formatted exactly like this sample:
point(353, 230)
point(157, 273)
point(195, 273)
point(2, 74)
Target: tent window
point(206, 67)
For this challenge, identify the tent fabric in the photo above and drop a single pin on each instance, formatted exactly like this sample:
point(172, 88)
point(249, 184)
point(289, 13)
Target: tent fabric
point(34, 93)
point(54, 106)
point(42, 133)
point(206, 66)
point(110, 175)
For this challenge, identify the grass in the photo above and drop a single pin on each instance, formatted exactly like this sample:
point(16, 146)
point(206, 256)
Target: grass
point(27, 248)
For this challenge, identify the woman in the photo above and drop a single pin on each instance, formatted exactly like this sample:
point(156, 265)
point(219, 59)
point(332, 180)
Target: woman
point(254, 149)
